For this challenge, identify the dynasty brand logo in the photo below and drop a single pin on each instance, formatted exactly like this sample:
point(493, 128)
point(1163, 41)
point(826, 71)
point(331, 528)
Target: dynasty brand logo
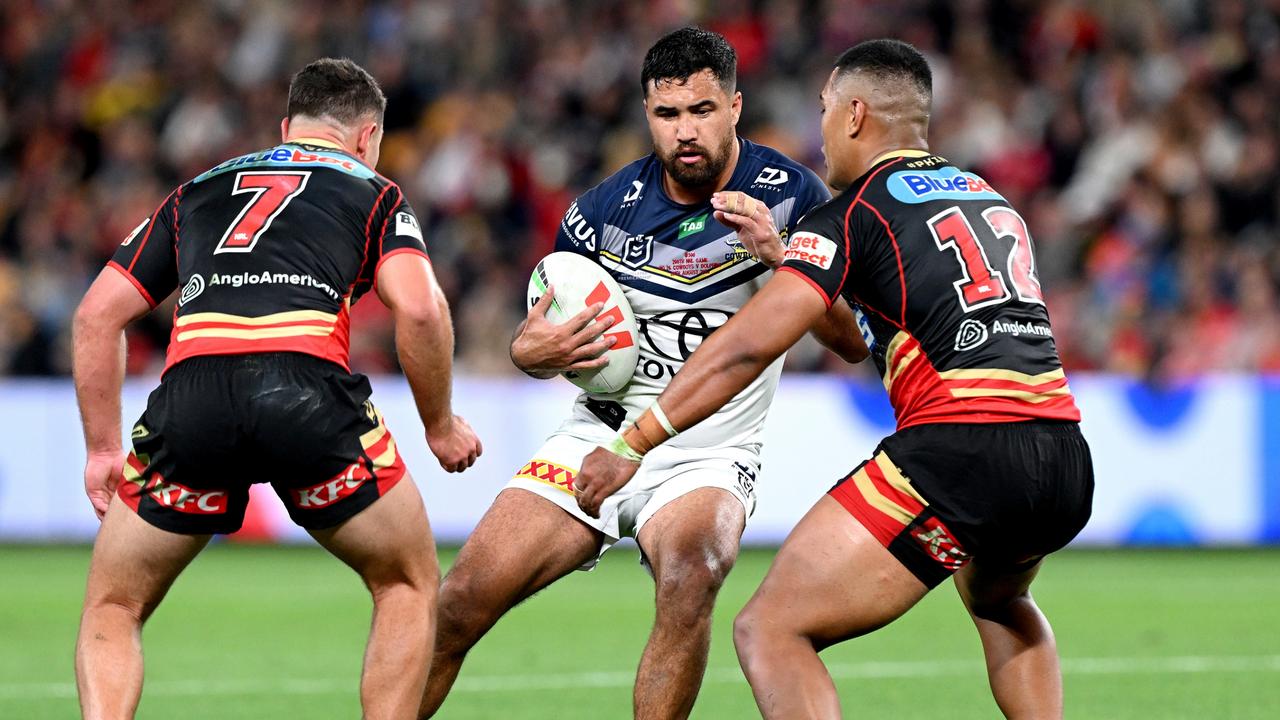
point(972, 334)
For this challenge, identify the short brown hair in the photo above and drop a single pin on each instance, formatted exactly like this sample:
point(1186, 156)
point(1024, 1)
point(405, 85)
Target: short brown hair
point(336, 88)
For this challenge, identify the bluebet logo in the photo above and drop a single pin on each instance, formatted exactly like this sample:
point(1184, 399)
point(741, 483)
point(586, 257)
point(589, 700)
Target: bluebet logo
point(946, 184)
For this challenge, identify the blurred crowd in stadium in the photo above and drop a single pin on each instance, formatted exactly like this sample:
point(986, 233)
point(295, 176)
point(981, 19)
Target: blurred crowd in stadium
point(1139, 139)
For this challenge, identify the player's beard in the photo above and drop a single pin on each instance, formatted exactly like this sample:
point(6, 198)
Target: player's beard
point(702, 173)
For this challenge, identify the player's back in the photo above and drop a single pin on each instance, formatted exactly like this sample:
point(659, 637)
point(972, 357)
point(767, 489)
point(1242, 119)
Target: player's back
point(942, 272)
point(270, 250)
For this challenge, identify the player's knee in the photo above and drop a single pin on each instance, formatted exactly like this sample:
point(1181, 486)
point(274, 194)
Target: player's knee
point(136, 608)
point(462, 612)
point(747, 639)
point(688, 586)
point(1003, 609)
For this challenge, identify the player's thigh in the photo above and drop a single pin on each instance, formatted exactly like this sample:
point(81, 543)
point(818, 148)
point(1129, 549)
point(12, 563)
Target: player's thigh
point(833, 580)
point(697, 531)
point(985, 585)
point(523, 543)
point(388, 541)
point(134, 563)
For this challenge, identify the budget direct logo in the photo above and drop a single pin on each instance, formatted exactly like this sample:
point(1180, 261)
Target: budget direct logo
point(918, 186)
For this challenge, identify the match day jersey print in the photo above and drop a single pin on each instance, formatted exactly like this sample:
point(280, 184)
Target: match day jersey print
point(270, 250)
point(942, 273)
point(685, 275)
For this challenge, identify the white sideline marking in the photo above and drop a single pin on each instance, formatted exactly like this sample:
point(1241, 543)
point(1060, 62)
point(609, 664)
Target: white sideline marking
point(508, 683)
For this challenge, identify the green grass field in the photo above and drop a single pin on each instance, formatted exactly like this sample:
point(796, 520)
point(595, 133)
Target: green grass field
point(256, 632)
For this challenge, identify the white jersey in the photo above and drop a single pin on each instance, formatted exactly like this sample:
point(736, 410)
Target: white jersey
point(684, 275)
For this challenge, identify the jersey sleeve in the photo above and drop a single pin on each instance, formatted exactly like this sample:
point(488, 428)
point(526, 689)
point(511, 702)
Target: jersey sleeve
point(817, 251)
point(148, 256)
point(811, 194)
point(578, 229)
point(401, 232)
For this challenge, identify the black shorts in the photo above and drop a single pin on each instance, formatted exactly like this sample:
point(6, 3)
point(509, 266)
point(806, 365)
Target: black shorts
point(939, 495)
point(218, 424)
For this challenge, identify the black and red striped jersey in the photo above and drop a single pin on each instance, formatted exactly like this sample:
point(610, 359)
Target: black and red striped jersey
point(270, 250)
point(942, 273)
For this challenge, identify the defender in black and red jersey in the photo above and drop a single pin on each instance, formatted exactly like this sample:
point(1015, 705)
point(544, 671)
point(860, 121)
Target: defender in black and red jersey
point(269, 251)
point(987, 472)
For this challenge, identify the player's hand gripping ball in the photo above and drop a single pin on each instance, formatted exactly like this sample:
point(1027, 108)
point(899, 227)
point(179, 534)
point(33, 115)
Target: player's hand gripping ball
point(579, 284)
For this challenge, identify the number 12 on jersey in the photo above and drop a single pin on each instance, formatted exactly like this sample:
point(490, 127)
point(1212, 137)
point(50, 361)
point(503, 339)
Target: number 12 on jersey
point(983, 285)
point(272, 191)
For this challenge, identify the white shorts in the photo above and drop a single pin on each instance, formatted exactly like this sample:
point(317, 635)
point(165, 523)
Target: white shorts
point(666, 474)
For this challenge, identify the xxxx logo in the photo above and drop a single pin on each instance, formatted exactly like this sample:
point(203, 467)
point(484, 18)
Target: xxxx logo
point(557, 476)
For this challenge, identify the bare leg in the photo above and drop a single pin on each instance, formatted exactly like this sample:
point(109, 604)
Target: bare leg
point(1022, 657)
point(692, 544)
point(523, 543)
point(133, 565)
point(831, 581)
point(389, 544)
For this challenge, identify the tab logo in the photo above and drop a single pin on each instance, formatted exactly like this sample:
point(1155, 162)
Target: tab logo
point(692, 226)
point(811, 248)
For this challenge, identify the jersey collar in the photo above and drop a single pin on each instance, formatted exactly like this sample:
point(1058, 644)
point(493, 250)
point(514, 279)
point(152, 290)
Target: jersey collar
point(899, 153)
point(315, 141)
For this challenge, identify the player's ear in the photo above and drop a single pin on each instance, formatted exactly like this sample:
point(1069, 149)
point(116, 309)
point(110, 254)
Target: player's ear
point(284, 129)
point(735, 108)
point(857, 118)
point(367, 140)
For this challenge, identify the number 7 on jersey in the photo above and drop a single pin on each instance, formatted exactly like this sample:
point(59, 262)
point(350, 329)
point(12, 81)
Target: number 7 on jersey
point(272, 191)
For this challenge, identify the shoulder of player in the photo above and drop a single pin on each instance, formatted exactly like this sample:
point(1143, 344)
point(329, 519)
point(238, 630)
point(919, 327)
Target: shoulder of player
point(613, 190)
point(767, 173)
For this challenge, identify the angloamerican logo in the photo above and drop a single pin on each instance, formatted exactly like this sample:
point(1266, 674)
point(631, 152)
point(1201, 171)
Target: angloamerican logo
point(236, 280)
point(1021, 328)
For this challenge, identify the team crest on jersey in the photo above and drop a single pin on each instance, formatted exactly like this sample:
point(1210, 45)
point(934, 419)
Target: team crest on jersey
point(637, 251)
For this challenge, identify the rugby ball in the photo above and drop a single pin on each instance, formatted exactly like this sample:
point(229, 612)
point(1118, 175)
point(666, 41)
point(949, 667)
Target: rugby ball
point(579, 283)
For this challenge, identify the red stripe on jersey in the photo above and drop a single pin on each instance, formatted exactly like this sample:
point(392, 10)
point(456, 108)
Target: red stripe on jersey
point(848, 261)
point(878, 479)
point(129, 276)
point(897, 254)
point(368, 234)
point(142, 245)
point(210, 324)
point(806, 278)
point(325, 348)
point(919, 396)
point(880, 525)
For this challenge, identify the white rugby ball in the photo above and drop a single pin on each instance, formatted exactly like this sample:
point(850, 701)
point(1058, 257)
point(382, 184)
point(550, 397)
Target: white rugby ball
point(579, 282)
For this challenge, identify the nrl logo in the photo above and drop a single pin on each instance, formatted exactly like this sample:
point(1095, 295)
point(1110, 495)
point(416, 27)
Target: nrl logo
point(637, 251)
point(972, 334)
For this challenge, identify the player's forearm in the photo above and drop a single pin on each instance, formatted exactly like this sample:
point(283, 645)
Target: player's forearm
point(424, 344)
point(98, 356)
point(838, 331)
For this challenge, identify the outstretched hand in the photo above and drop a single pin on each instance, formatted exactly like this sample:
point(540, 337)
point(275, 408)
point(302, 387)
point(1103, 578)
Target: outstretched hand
point(603, 474)
point(753, 222)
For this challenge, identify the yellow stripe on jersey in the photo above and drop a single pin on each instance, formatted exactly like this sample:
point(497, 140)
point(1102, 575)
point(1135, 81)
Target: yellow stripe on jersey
point(896, 479)
point(893, 365)
point(387, 458)
point(873, 497)
point(281, 317)
point(681, 278)
point(1008, 375)
point(372, 437)
point(259, 334)
point(1025, 395)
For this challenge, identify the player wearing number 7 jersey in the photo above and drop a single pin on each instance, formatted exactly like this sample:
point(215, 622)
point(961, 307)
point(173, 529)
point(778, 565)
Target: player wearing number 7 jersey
point(270, 250)
point(988, 471)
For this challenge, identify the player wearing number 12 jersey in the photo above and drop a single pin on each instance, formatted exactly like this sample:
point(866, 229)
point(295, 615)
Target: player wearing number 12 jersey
point(988, 471)
point(269, 251)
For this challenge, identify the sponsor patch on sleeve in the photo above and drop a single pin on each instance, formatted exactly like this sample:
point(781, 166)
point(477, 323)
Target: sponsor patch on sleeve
point(811, 248)
point(407, 224)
